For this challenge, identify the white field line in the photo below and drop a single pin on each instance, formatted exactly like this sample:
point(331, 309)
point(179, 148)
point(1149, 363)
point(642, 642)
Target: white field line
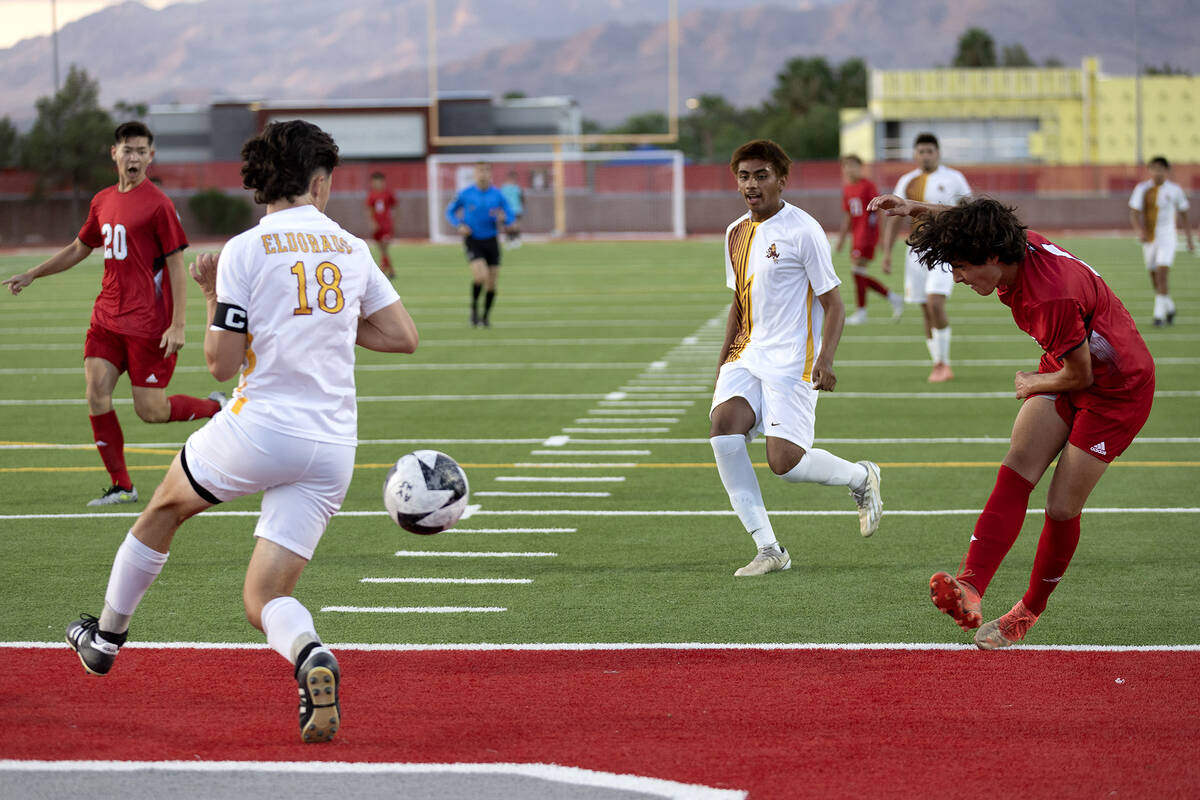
point(514, 530)
point(600, 646)
point(630, 403)
point(590, 452)
point(541, 494)
point(623, 420)
point(471, 554)
point(552, 479)
point(464, 581)
point(616, 430)
point(413, 609)
point(631, 411)
point(576, 464)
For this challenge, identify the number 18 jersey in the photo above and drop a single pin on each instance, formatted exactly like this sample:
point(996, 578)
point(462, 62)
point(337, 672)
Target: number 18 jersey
point(302, 283)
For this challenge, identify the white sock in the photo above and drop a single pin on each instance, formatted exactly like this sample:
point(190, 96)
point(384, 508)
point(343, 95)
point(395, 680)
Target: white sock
point(931, 346)
point(288, 626)
point(941, 344)
point(741, 484)
point(134, 568)
point(823, 467)
point(1160, 306)
point(1170, 303)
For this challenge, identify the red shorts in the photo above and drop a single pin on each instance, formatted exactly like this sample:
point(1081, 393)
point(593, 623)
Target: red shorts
point(140, 356)
point(863, 250)
point(1104, 425)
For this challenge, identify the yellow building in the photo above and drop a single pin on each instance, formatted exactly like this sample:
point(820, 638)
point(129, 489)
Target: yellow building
point(1048, 115)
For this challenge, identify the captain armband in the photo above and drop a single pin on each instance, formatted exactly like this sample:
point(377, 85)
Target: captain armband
point(228, 317)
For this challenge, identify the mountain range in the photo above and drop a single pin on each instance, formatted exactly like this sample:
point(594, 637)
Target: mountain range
point(608, 54)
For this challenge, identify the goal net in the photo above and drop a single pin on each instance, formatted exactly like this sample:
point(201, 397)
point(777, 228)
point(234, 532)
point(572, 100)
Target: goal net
point(605, 194)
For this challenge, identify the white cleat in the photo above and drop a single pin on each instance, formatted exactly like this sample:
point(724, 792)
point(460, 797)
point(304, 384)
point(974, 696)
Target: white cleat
point(772, 558)
point(219, 397)
point(869, 501)
point(897, 306)
point(115, 495)
point(857, 318)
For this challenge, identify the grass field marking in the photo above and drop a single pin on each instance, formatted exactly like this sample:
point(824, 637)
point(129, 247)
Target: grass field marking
point(556, 479)
point(556, 441)
point(550, 773)
point(631, 411)
point(541, 494)
point(594, 646)
point(413, 609)
point(472, 554)
point(516, 530)
point(574, 465)
point(464, 581)
point(624, 420)
point(589, 452)
point(607, 403)
point(616, 430)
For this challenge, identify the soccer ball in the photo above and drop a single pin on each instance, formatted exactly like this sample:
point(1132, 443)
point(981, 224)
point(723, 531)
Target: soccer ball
point(425, 492)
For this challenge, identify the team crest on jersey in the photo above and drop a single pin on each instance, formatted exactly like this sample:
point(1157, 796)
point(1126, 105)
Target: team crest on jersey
point(773, 253)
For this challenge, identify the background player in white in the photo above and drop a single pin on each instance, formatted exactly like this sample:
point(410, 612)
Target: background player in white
point(930, 182)
point(1153, 206)
point(287, 302)
point(783, 329)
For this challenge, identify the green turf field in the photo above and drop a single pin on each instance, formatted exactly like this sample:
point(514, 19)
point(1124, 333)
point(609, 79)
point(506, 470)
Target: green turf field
point(574, 323)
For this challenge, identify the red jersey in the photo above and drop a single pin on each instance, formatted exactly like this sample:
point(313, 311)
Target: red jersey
point(381, 204)
point(864, 225)
point(1061, 302)
point(138, 229)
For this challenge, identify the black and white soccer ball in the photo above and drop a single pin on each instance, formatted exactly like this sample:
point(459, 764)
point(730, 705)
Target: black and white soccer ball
point(425, 492)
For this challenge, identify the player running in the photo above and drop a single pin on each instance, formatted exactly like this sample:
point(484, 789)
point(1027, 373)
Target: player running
point(1090, 396)
point(1153, 207)
point(474, 213)
point(138, 319)
point(857, 191)
point(380, 202)
point(287, 302)
point(778, 353)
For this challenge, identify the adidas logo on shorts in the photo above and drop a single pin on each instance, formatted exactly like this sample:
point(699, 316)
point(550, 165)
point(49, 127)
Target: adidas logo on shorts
point(1098, 449)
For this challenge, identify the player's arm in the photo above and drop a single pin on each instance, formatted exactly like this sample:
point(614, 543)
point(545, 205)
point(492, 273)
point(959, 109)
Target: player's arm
point(389, 330)
point(1076, 374)
point(173, 337)
point(823, 377)
point(454, 218)
point(225, 337)
point(895, 206)
point(61, 261)
point(1139, 229)
point(731, 329)
point(846, 220)
point(1187, 230)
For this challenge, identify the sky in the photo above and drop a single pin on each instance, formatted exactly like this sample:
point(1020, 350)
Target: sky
point(25, 18)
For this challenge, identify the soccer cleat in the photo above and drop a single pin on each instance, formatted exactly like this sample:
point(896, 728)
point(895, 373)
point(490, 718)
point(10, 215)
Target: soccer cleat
point(1171, 317)
point(859, 317)
point(869, 501)
point(485, 322)
point(1007, 630)
point(114, 495)
point(897, 306)
point(957, 598)
point(221, 398)
point(320, 710)
point(95, 652)
point(941, 373)
point(474, 318)
point(772, 558)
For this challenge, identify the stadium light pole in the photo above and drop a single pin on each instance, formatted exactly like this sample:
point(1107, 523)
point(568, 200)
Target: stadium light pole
point(54, 39)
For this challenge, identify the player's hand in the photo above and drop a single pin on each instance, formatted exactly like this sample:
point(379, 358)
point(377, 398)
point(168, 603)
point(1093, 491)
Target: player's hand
point(1023, 384)
point(172, 340)
point(892, 205)
point(823, 379)
point(464, 229)
point(204, 272)
point(18, 282)
point(886, 264)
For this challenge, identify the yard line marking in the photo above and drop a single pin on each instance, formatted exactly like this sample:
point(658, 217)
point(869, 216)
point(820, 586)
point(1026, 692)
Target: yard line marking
point(556, 441)
point(466, 581)
point(622, 420)
point(590, 452)
point(471, 554)
point(515, 530)
point(629, 403)
point(638, 410)
point(617, 430)
point(414, 609)
point(542, 494)
point(549, 479)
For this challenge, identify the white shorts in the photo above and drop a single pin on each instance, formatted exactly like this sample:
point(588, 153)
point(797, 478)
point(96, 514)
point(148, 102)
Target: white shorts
point(1160, 252)
point(303, 481)
point(785, 407)
point(920, 281)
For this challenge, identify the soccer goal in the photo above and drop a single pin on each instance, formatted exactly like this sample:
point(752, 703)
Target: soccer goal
point(604, 194)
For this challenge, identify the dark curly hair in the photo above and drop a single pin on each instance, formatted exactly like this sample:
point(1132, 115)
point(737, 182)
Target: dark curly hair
point(763, 149)
point(969, 233)
point(131, 130)
point(279, 162)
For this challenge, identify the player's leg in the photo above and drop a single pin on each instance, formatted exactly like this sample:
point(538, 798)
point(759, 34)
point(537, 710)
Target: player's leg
point(938, 285)
point(478, 265)
point(138, 561)
point(492, 259)
point(384, 241)
point(149, 374)
point(100, 375)
point(1038, 436)
point(1151, 252)
point(1162, 275)
point(858, 266)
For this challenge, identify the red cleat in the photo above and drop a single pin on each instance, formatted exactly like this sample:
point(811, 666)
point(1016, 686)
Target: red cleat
point(957, 598)
point(1008, 630)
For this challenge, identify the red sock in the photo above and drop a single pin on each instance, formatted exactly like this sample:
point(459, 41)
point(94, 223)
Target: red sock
point(860, 290)
point(184, 407)
point(386, 261)
point(1054, 551)
point(997, 528)
point(110, 441)
point(874, 285)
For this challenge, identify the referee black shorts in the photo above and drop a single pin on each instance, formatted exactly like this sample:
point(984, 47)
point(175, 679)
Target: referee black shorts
point(486, 249)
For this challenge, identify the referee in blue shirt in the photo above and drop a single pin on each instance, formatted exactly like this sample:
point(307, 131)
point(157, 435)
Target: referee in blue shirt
point(475, 213)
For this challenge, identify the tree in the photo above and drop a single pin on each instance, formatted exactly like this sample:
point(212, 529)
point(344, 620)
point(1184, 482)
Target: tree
point(1166, 69)
point(804, 84)
point(8, 143)
point(852, 76)
point(515, 94)
point(713, 130)
point(1014, 55)
point(976, 48)
point(70, 142)
point(1053, 62)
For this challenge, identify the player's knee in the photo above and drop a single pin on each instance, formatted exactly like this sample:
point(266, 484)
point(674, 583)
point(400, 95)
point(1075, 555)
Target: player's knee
point(783, 463)
point(152, 413)
point(1062, 509)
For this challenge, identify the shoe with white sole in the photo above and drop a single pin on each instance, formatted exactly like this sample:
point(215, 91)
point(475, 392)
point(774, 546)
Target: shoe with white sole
point(772, 558)
point(869, 500)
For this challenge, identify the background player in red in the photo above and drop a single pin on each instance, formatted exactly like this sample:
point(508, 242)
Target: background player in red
point(138, 320)
point(1090, 396)
point(857, 191)
point(380, 202)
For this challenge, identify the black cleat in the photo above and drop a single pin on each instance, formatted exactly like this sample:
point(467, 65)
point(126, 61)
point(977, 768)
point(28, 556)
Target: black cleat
point(485, 322)
point(320, 710)
point(474, 318)
point(1171, 317)
point(95, 652)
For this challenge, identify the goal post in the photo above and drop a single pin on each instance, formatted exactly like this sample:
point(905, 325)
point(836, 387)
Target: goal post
point(602, 194)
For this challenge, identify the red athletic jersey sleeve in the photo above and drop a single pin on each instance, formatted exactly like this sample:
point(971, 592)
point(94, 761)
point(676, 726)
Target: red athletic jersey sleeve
point(381, 204)
point(1062, 302)
point(864, 225)
point(138, 229)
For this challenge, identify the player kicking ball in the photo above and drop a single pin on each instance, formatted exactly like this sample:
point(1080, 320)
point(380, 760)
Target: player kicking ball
point(1090, 396)
point(783, 329)
point(287, 301)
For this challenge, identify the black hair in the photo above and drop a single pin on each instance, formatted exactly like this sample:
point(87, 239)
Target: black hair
point(763, 150)
point(926, 138)
point(375, 175)
point(970, 233)
point(852, 157)
point(279, 162)
point(132, 130)
point(1160, 160)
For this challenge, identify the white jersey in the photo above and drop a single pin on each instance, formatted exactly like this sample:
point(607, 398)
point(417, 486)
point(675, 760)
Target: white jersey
point(303, 283)
point(945, 186)
point(777, 268)
point(1159, 206)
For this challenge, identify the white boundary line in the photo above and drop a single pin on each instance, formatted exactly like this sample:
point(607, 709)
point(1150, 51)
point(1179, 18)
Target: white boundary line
point(464, 581)
point(413, 609)
point(554, 773)
point(536, 479)
point(515, 530)
point(541, 494)
point(470, 554)
point(594, 646)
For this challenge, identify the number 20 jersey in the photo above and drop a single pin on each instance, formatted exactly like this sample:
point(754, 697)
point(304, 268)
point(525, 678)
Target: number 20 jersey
point(302, 282)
